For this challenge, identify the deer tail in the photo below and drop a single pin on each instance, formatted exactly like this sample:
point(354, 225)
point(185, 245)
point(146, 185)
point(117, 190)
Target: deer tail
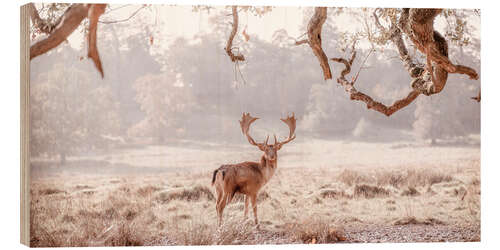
point(213, 177)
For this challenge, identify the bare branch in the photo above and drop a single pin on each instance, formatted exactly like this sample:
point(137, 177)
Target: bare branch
point(237, 67)
point(229, 45)
point(95, 11)
point(415, 72)
point(69, 22)
point(478, 97)
point(418, 25)
point(301, 42)
point(370, 103)
point(38, 22)
point(377, 22)
point(126, 19)
point(362, 64)
point(314, 35)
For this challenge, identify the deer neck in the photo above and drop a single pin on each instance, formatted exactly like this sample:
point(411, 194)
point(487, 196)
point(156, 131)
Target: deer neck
point(268, 167)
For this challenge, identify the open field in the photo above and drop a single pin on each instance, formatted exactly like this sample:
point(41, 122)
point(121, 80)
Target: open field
point(322, 192)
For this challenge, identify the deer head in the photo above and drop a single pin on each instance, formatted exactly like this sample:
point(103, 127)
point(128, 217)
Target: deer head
point(270, 150)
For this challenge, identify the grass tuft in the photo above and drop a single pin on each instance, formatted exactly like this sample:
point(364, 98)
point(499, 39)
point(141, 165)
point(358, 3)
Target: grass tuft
point(368, 191)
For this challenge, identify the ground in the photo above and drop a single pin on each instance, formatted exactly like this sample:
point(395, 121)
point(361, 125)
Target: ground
point(322, 192)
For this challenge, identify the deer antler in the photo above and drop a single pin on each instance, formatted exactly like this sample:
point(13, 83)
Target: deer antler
point(246, 121)
point(290, 122)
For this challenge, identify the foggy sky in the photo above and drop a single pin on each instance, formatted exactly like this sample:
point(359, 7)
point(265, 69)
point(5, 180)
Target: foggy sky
point(279, 79)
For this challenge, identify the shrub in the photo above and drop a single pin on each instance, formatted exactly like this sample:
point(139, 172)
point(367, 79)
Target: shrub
point(147, 190)
point(368, 191)
point(186, 194)
point(333, 194)
point(351, 177)
point(410, 191)
point(316, 231)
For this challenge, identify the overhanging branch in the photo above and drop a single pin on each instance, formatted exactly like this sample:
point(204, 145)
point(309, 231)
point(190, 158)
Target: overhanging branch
point(123, 20)
point(95, 11)
point(229, 44)
point(40, 24)
point(418, 25)
point(314, 39)
point(67, 24)
point(419, 83)
point(354, 94)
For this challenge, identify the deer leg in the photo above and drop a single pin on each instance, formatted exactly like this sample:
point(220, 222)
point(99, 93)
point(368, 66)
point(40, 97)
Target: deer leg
point(254, 206)
point(219, 199)
point(246, 206)
point(221, 207)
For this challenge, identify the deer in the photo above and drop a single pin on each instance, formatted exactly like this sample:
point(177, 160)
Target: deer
point(249, 177)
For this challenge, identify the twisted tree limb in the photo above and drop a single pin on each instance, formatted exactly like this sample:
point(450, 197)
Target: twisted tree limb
point(314, 39)
point(418, 25)
point(229, 44)
point(40, 24)
point(95, 11)
point(70, 20)
point(354, 94)
point(67, 24)
point(426, 80)
point(415, 71)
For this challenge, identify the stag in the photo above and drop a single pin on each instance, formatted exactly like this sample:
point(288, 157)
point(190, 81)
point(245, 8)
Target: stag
point(248, 177)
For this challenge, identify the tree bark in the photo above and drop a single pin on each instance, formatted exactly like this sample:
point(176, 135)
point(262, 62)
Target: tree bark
point(42, 25)
point(66, 25)
point(418, 25)
point(71, 19)
point(314, 39)
point(360, 96)
point(95, 11)
point(229, 44)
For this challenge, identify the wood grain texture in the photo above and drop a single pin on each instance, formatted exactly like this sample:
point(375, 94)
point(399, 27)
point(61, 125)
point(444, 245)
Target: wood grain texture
point(25, 169)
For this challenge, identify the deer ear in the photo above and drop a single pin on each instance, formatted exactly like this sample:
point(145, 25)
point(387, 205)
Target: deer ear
point(261, 146)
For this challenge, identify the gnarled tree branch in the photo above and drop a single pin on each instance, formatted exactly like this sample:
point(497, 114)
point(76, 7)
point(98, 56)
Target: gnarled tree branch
point(42, 25)
point(302, 42)
point(360, 96)
point(95, 11)
point(126, 19)
point(229, 44)
point(418, 25)
point(314, 39)
point(69, 22)
point(415, 71)
point(66, 25)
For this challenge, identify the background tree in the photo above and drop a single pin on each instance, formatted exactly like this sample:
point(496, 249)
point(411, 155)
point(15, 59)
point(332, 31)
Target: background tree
point(69, 114)
point(166, 102)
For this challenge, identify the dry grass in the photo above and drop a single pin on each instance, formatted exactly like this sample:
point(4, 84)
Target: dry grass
point(395, 178)
point(414, 221)
point(410, 191)
point(296, 206)
point(186, 194)
point(369, 192)
point(316, 231)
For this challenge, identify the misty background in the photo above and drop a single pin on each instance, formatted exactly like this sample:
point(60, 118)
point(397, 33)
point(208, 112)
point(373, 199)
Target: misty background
point(186, 91)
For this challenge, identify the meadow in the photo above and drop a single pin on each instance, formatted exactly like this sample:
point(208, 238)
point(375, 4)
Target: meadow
point(323, 192)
